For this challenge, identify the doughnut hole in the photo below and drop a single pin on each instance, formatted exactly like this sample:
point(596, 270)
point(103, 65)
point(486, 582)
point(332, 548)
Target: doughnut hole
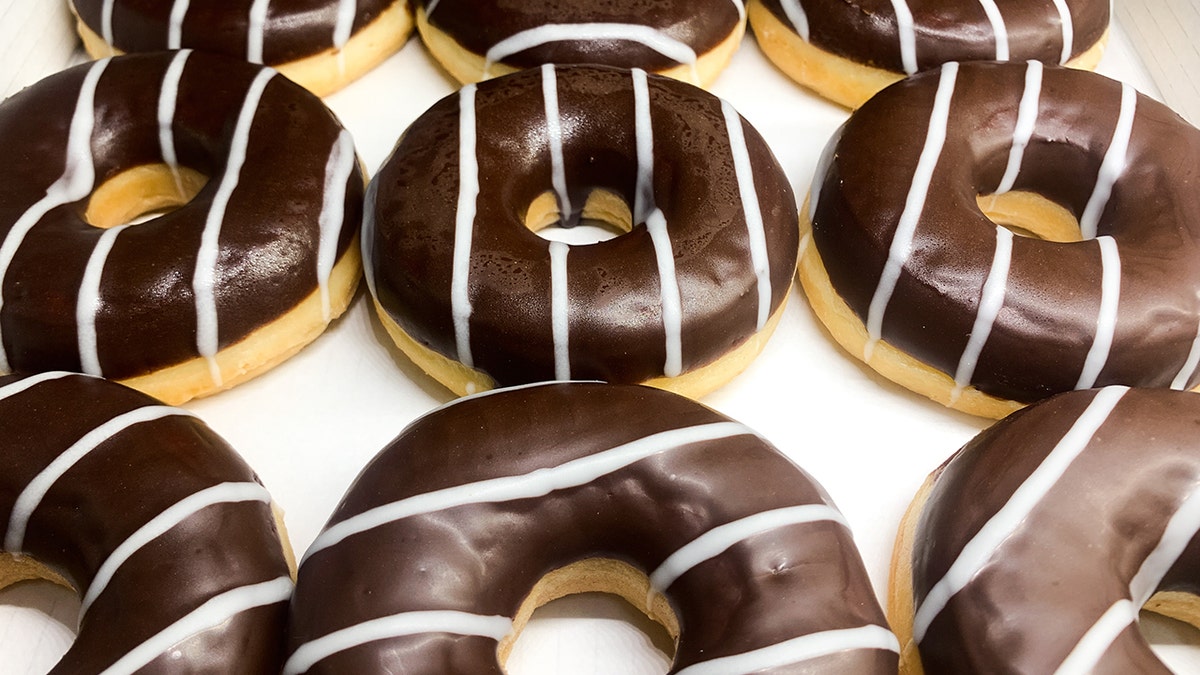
point(141, 193)
point(605, 216)
point(1028, 214)
point(39, 610)
point(635, 605)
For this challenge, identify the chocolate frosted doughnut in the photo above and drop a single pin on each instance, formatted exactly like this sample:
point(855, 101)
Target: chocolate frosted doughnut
point(684, 299)
point(161, 527)
point(1034, 547)
point(691, 40)
point(256, 261)
point(495, 504)
point(848, 51)
point(321, 44)
point(910, 275)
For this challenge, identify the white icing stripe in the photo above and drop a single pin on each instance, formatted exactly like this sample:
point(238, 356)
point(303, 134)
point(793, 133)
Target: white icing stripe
point(367, 237)
point(643, 191)
point(589, 32)
point(560, 310)
point(795, 14)
point(256, 31)
point(223, 493)
point(30, 382)
point(430, 5)
point(175, 24)
point(337, 175)
point(464, 224)
point(672, 300)
point(752, 210)
point(1027, 114)
point(217, 610)
point(1000, 526)
point(167, 99)
point(1068, 30)
point(907, 33)
point(27, 502)
point(998, 28)
point(343, 27)
point(803, 648)
point(902, 240)
point(1106, 321)
point(1189, 365)
point(1113, 164)
point(106, 21)
point(87, 305)
point(397, 625)
point(527, 486)
point(741, 9)
point(555, 140)
point(204, 276)
point(717, 540)
point(75, 183)
point(990, 301)
point(1087, 652)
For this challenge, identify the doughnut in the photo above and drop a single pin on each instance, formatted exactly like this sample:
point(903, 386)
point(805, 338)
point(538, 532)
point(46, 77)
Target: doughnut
point(321, 44)
point(684, 298)
point(906, 265)
point(164, 531)
point(1034, 547)
point(691, 40)
point(257, 256)
point(847, 52)
point(497, 503)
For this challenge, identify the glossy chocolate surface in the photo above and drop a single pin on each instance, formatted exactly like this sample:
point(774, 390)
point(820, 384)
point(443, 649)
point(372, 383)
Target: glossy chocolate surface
point(1050, 329)
point(104, 496)
point(266, 256)
point(291, 29)
point(484, 555)
point(1078, 547)
point(617, 330)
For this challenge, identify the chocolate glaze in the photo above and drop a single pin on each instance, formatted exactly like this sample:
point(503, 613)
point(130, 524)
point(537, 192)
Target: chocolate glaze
point(1078, 546)
point(147, 318)
point(293, 29)
point(483, 556)
point(1050, 318)
point(109, 493)
point(866, 31)
point(617, 327)
point(478, 26)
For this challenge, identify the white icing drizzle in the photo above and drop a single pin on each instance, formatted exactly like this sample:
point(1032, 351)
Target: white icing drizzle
point(1027, 113)
point(179, 10)
point(343, 27)
point(213, 613)
point(1087, 652)
point(464, 224)
point(1106, 321)
point(795, 14)
point(590, 32)
point(430, 5)
point(803, 648)
point(990, 301)
point(333, 212)
point(397, 625)
point(998, 28)
point(27, 502)
point(256, 31)
point(554, 139)
point(902, 240)
point(106, 21)
point(531, 485)
point(1068, 30)
point(717, 540)
point(87, 305)
point(29, 382)
point(367, 237)
point(1113, 164)
point(979, 550)
point(167, 99)
point(1189, 365)
point(643, 191)
point(907, 33)
point(75, 183)
point(223, 493)
point(560, 310)
point(751, 208)
point(672, 300)
point(741, 9)
point(204, 276)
